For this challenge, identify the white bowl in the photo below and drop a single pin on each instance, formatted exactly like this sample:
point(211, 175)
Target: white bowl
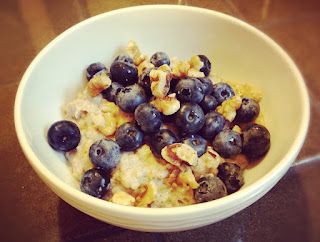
point(238, 52)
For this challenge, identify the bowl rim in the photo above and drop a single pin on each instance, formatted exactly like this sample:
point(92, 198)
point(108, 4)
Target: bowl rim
point(244, 194)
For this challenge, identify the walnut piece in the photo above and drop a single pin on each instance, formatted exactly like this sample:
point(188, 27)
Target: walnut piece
point(180, 68)
point(207, 163)
point(167, 105)
point(180, 155)
point(228, 109)
point(134, 52)
point(123, 198)
point(160, 82)
point(188, 178)
point(149, 195)
point(144, 65)
point(98, 83)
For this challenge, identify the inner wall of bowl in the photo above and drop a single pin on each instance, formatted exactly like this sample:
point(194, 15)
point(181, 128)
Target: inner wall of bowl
point(236, 53)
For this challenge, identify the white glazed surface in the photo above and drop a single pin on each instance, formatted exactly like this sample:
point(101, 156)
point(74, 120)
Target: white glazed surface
point(238, 52)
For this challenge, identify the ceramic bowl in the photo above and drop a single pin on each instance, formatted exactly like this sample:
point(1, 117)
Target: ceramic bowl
point(238, 52)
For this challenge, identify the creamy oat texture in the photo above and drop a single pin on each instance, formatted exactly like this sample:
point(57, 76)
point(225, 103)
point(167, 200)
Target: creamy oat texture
point(142, 179)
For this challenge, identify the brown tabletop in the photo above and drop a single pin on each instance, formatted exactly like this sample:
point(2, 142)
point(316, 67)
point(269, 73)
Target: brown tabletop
point(29, 211)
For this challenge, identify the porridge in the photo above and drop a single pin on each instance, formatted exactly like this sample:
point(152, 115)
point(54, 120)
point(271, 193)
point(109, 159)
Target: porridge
point(160, 132)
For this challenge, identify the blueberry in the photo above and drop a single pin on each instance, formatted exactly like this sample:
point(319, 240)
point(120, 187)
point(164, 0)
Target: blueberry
point(189, 90)
point(207, 85)
point(124, 58)
point(144, 81)
point(173, 84)
point(159, 59)
point(198, 143)
point(129, 137)
point(94, 68)
point(130, 97)
point(111, 92)
point(148, 118)
point(95, 182)
point(161, 139)
point(190, 118)
point(208, 103)
point(256, 141)
point(206, 65)
point(105, 154)
point(248, 110)
point(123, 72)
point(168, 118)
point(227, 143)
point(64, 135)
point(222, 91)
point(214, 123)
point(231, 175)
point(210, 188)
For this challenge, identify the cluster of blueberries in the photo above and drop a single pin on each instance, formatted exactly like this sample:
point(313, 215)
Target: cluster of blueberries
point(197, 122)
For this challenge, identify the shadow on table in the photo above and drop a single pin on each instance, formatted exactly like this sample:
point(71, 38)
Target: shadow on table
point(281, 215)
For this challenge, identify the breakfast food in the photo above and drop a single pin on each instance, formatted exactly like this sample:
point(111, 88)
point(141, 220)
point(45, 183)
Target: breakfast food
point(160, 132)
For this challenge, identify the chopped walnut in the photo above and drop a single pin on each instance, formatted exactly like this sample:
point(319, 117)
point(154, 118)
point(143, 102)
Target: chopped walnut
point(143, 66)
point(109, 107)
point(123, 198)
point(180, 155)
point(237, 129)
point(228, 109)
point(167, 105)
point(187, 177)
point(165, 67)
point(207, 163)
point(134, 52)
point(180, 69)
point(195, 73)
point(149, 195)
point(98, 83)
point(160, 82)
point(196, 63)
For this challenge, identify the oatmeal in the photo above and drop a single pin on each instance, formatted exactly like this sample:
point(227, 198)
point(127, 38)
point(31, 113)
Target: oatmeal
point(160, 132)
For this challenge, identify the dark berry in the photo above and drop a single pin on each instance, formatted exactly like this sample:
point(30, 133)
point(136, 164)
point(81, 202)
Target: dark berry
point(214, 123)
point(94, 68)
point(64, 135)
point(105, 154)
point(231, 175)
point(168, 118)
point(198, 143)
point(124, 58)
point(123, 72)
point(207, 85)
point(173, 84)
point(222, 91)
point(159, 59)
point(189, 90)
point(256, 141)
point(95, 182)
point(227, 143)
point(210, 188)
point(161, 139)
point(248, 110)
point(128, 98)
point(208, 103)
point(144, 81)
point(189, 119)
point(111, 92)
point(206, 65)
point(129, 137)
point(148, 118)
